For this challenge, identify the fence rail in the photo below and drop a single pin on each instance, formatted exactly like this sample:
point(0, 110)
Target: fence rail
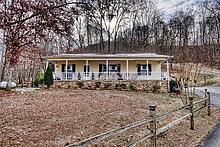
point(111, 133)
point(152, 120)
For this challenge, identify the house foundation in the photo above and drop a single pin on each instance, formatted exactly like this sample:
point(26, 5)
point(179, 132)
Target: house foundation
point(146, 85)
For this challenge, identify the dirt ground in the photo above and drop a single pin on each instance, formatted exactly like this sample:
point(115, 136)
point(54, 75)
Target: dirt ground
point(59, 117)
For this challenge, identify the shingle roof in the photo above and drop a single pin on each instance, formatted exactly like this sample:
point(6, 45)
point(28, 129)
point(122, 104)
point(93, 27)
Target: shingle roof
point(95, 55)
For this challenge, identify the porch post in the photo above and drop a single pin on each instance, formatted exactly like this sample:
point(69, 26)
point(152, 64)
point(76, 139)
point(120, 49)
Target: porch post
point(168, 76)
point(66, 68)
point(55, 70)
point(47, 63)
point(87, 64)
point(127, 69)
point(147, 70)
point(106, 69)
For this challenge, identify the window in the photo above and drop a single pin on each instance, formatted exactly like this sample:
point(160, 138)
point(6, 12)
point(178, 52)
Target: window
point(111, 68)
point(142, 69)
point(86, 68)
point(103, 68)
point(70, 68)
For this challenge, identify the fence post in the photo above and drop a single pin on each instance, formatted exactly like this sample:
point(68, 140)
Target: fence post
point(206, 102)
point(209, 104)
point(192, 115)
point(205, 93)
point(153, 128)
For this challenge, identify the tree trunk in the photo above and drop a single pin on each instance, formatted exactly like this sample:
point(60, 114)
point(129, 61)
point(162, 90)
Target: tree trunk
point(7, 75)
point(7, 71)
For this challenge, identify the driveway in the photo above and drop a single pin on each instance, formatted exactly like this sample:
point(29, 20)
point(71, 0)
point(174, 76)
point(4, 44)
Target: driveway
point(213, 140)
point(214, 91)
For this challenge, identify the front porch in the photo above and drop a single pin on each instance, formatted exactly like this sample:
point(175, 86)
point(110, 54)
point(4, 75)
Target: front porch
point(109, 76)
point(102, 68)
point(109, 69)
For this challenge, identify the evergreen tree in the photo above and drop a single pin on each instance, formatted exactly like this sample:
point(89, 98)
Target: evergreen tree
point(48, 77)
point(39, 79)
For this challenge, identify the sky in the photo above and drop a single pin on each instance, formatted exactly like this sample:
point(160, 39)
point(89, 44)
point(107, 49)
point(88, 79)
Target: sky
point(169, 6)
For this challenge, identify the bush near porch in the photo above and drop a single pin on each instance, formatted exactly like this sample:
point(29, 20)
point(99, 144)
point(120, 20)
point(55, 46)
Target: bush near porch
point(147, 86)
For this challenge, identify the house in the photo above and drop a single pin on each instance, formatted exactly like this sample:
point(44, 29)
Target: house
point(141, 66)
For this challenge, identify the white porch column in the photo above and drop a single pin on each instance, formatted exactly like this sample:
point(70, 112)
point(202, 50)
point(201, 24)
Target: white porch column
point(55, 70)
point(168, 76)
point(66, 68)
point(147, 70)
point(106, 69)
point(127, 69)
point(87, 64)
point(47, 63)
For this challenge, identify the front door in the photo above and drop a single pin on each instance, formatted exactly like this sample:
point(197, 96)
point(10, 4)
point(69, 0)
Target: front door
point(86, 71)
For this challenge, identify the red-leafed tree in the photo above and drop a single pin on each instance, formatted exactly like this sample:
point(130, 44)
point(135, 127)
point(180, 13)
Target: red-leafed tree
point(25, 23)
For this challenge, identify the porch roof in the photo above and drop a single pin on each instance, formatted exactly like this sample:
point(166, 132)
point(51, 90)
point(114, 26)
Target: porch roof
point(139, 56)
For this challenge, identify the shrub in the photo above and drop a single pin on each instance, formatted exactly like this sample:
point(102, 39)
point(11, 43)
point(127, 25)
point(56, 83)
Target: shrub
point(48, 77)
point(174, 86)
point(80, 84)
point(107, 85)
point(132, 87)
point(97, 84)
point(120, 86)
point(39, 79)
point(123, 85)
point(155, 88)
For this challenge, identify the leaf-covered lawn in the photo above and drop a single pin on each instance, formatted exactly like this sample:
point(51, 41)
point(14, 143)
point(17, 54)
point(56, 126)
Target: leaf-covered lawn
point(59, 116)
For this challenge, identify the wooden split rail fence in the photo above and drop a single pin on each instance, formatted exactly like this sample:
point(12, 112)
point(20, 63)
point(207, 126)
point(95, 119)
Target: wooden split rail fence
point(152, 120)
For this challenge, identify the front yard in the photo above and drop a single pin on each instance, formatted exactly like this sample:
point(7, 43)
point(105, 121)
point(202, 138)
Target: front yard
point(57, 117)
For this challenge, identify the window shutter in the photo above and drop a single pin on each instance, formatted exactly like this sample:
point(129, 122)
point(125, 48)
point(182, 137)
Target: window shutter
point(73, 67)
point(149, 68)
point(104, 68)
point(139, 69)
point(88, 68)
point(84, 69)
point(119, 68)
point(100, 67)
point(63, 67)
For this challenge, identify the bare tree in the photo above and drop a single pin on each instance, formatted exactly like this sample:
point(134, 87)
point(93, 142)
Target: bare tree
point(24, 23)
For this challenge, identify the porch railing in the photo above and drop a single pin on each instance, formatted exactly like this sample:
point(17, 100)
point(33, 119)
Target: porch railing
point(111, 76)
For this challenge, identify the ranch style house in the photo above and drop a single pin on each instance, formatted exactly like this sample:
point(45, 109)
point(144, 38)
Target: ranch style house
point(141, 66)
